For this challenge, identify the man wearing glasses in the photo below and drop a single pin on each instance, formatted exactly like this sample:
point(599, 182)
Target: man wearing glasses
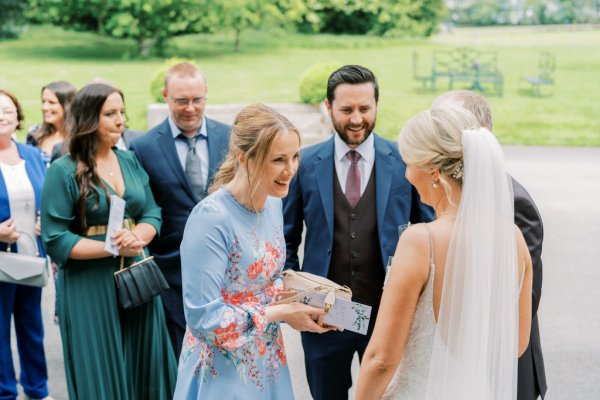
point(180, 155)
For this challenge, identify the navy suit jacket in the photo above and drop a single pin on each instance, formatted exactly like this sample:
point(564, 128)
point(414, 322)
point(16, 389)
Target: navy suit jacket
point(156, 152)
point(310, 201)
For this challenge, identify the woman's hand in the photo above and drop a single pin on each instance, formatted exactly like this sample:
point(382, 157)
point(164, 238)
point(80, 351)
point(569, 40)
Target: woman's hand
point(38, 225)
point(8, 231)
point(127, 242)
point(299, 316)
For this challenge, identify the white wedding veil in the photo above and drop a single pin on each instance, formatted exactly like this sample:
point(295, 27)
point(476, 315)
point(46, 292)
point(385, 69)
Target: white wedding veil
point(474, 355)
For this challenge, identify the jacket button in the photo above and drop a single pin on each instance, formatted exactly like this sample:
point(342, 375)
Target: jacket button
point(353, 215)
point(353, 235)
point(353, 274)
point(354, 254)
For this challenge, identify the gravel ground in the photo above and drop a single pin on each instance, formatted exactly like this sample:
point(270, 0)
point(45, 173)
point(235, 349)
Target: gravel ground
point(565, 183)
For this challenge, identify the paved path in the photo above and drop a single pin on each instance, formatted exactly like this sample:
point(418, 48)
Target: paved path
point(565, 183)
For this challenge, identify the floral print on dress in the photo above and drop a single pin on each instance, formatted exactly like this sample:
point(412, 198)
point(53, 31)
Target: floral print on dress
point(244, 337)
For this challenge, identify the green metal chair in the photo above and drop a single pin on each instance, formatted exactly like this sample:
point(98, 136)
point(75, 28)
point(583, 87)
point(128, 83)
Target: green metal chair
point(543, 83)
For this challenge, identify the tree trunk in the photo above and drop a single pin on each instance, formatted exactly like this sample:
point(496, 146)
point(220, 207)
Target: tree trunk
point(144, 46)
point(101, 18)
point(160, 44)
point(236, 45)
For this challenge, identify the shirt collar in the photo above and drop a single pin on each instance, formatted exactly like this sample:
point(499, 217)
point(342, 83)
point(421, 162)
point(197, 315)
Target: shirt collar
point(366, 149)
point(175, 131)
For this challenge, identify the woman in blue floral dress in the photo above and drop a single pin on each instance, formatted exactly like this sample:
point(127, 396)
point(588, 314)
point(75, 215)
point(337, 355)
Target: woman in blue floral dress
point(231, 255)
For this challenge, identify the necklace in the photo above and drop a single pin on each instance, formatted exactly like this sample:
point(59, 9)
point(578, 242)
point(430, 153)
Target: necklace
point(110, 172)
point(106, 168)
point(244, 206)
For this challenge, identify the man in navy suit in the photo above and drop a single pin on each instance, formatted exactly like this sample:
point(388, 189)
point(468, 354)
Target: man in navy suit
point(180, 155)
point(532, 376)
point(351, 193)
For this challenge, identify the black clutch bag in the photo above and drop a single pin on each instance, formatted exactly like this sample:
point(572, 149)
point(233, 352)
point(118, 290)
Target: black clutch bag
point(139, 282)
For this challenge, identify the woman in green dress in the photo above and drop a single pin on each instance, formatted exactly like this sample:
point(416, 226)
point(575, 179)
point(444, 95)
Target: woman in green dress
point(109, 352)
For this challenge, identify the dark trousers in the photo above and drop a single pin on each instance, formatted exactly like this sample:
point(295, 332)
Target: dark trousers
point(24, 303)
point(328, 358)
point(172, 300)
point(528, 387)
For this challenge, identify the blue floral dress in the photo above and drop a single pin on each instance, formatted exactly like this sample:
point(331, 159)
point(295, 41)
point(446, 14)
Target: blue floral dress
point(230, 261)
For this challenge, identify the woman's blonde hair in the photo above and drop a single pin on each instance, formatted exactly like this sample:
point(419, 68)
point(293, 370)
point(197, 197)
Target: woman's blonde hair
point(432, 139)
point(253, 133)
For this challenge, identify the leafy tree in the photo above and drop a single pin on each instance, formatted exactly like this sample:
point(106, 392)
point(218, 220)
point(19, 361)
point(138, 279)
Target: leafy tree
point(241, 15)
point(151, 23)
point(409, 17)
point(11, 17)
point(501, 12)
point(381, 17)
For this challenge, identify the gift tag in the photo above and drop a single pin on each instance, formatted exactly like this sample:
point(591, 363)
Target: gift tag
point(115, 222)
point(344, 314)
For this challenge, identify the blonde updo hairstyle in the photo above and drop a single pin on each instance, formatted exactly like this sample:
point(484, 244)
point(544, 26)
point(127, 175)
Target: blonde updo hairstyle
point(253, 133)
point(432, 140)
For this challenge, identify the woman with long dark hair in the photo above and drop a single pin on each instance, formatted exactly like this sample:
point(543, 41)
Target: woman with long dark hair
point(56, 100)
point(109, 353)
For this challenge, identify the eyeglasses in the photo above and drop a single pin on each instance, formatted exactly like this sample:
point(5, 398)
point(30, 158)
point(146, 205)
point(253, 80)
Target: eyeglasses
point(8, 112)
point(196, 101)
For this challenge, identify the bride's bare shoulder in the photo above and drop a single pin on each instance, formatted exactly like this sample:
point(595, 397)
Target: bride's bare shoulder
point(415, 240)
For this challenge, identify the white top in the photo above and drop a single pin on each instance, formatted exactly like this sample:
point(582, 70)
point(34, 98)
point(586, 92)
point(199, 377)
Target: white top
point(365, 164)
point(121, 144)
point(201, 147)
point(21, 199)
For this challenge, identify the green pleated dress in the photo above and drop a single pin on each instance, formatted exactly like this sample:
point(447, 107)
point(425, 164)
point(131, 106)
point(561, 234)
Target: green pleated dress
point(109, 353)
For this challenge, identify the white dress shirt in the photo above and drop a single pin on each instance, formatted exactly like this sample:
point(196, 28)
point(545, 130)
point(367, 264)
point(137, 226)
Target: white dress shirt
point(201, 147)
point(365, 164)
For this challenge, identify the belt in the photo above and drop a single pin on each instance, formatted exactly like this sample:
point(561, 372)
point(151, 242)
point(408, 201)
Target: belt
point(97, 230)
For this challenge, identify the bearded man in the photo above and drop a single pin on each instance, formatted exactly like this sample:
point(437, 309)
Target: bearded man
point(351, 193)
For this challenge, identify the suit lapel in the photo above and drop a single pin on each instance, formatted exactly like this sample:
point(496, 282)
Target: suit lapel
point(214, 147)
point(325, 175)
point(167, 146)
point(127, 138)
point(384, 167)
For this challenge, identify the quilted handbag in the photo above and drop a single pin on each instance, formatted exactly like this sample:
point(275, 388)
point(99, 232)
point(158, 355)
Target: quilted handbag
point(139, 282)
point(24, 269)
point(299, 284)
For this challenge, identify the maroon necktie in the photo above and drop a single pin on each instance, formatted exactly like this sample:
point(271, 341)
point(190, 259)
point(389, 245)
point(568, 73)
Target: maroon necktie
point(353, 179)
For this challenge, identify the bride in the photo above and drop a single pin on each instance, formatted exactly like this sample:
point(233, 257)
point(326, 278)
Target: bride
point(456, 309)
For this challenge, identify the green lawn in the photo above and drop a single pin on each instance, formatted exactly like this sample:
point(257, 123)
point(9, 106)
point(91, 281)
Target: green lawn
point(270, 65)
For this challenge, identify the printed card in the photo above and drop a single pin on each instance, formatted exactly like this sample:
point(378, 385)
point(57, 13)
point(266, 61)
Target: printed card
point(115, 222)
point(344, 314)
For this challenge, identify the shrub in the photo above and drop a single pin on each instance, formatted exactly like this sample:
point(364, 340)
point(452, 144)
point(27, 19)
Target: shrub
point(158, 82)
point(313, 85)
